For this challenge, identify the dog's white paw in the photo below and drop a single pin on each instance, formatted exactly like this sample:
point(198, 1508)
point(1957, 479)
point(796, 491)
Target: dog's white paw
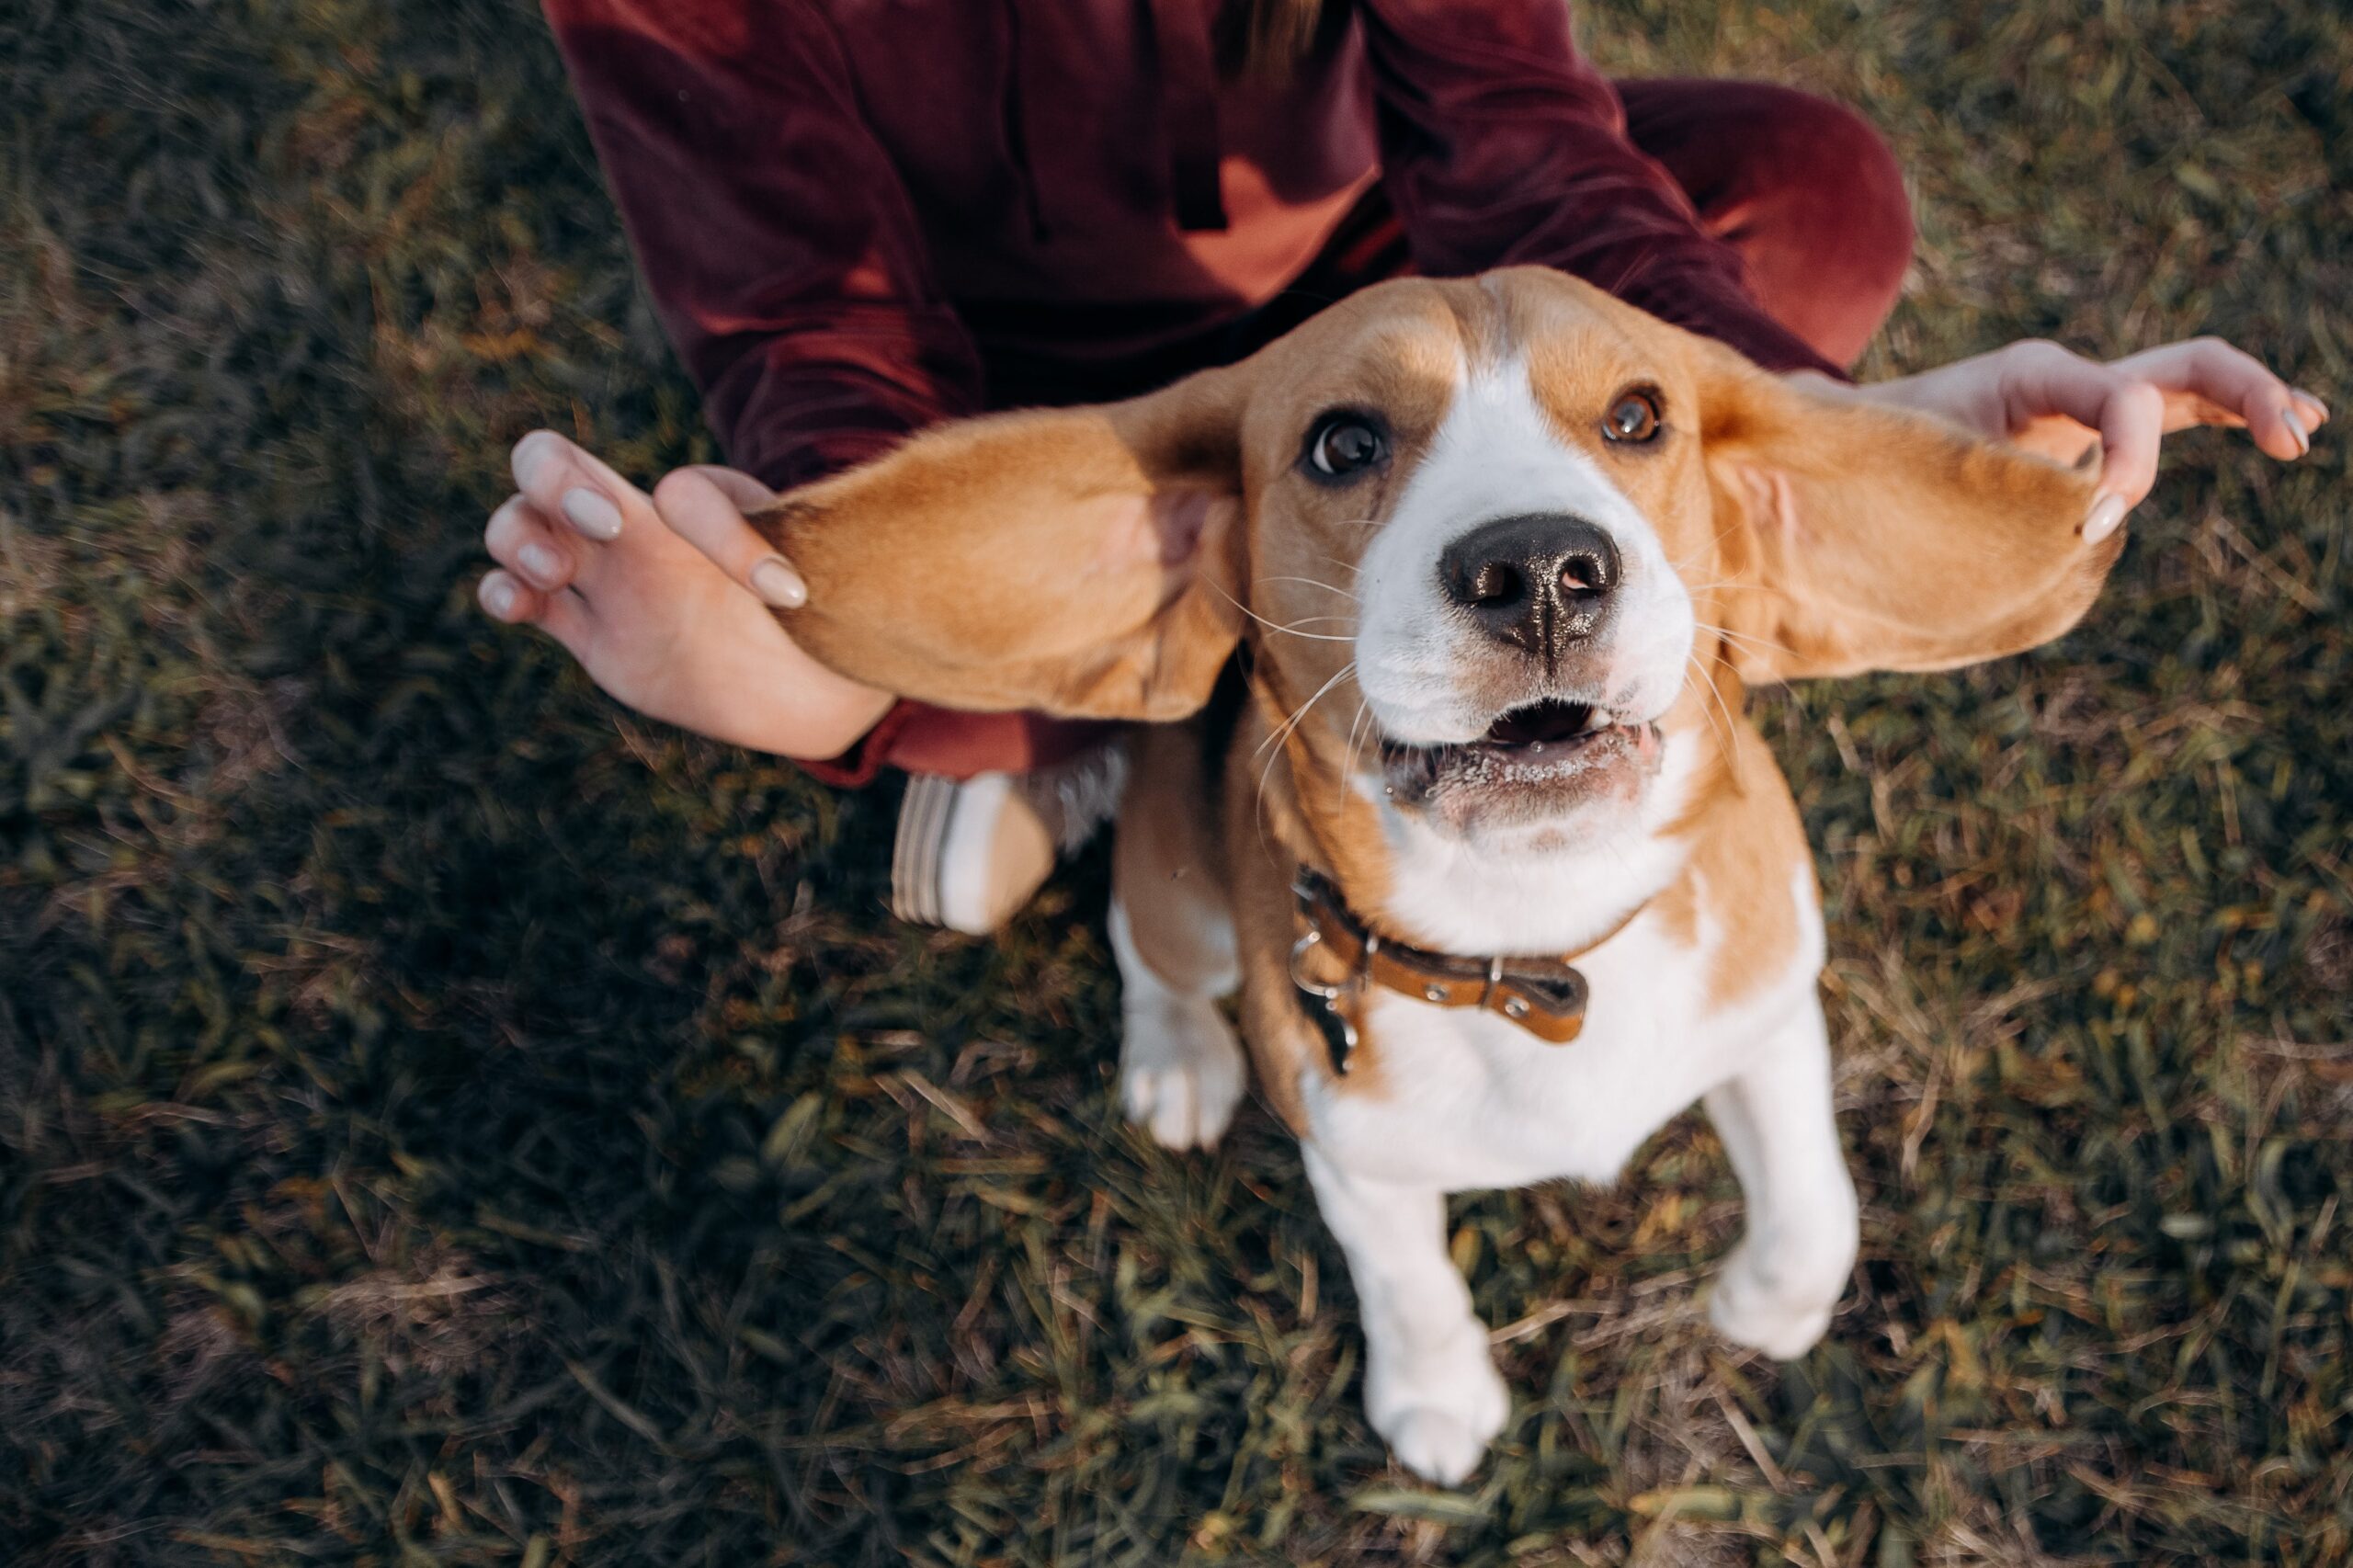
point(1436, 1446)
point(1438, 1407)
point(1181, 1072)
point(1783, 1315)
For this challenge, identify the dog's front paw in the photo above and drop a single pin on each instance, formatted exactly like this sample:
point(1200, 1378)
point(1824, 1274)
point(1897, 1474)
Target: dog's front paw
point(1181, 1072)
point(1440, 1406)
point(1782, 1315)
point(1436, 1446)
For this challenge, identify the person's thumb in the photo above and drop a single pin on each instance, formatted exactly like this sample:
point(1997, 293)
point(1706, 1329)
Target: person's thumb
point(705, 506)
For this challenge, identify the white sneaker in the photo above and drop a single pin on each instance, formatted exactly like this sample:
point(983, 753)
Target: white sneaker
point(970, 853)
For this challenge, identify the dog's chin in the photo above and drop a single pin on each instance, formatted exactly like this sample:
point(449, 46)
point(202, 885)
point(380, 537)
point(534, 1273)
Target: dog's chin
point(1549, 774)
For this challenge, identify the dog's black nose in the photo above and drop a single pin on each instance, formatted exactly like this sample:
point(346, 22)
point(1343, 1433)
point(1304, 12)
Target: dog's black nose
point(1537, 581)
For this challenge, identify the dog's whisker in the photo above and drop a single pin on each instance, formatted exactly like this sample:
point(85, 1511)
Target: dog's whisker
point(1729, 729)
point(1299, 713)
point(1680, 566)
point(1722, 738)
point(1729, 635)
point(1312, 583)
point(1693, 667)
point(1272, 748)
point(1286, 630)
point(1348, 762)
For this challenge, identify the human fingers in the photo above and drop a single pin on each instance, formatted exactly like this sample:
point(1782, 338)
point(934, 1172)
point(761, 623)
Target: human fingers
point(521, 540)
point(2207, 381)
point(563, 480)
point(506, 598)
point(705, 506)
point(562, 615)
point(2129, 414)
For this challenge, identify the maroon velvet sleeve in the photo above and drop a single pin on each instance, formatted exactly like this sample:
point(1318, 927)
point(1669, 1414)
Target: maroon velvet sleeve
point(774, 238)
point(774, 235)
point(859, 764)
point(1500, 144)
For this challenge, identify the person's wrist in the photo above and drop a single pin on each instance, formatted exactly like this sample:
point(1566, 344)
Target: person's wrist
point(1807, 379)
point(837, 712)
point(1953, 392)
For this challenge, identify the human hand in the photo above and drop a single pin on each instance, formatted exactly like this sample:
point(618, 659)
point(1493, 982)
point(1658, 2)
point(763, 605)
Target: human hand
point(664, 599)
point(2060, 405)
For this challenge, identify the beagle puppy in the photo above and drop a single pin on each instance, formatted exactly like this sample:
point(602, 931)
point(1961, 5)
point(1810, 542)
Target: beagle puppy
point(1441, 610)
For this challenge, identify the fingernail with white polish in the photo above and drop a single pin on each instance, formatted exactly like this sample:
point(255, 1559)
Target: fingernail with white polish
point(778, 585)
point(2295, 423)
point(2107, 514)
point(592, 514)
point(498, 597)
point(531, 456)
point(538, 563)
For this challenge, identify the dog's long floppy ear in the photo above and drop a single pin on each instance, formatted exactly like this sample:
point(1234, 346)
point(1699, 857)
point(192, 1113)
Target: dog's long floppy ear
point(1858, 537)
point(1084, 561)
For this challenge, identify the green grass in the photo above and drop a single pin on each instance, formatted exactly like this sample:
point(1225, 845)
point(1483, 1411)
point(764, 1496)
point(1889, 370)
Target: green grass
point(446, 1119)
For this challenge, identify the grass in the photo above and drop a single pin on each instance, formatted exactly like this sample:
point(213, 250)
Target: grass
point(446, 1120)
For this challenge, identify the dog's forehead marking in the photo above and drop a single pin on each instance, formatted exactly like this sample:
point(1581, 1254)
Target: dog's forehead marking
point(1563, 339)
point(1501, 451)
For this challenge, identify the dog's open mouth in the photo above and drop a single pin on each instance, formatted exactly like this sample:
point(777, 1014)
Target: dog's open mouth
point(1542, 724)
point(1551, 749)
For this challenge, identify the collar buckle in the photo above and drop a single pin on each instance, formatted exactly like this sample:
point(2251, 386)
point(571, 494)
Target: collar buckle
point(1328, 1006)
point(1545, 997)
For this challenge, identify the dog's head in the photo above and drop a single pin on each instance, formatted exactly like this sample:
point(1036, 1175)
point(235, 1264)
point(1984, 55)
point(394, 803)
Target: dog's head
point(1498, 545)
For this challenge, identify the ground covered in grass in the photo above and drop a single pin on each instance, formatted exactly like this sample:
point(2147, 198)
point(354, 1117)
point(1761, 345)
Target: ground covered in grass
point(444, 1120)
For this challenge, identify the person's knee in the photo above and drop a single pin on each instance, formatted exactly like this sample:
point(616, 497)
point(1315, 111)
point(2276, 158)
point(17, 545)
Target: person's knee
point(1856, 194)
point(1825, 228)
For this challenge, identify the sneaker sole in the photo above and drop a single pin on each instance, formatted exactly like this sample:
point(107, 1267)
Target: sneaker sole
point(925, 813)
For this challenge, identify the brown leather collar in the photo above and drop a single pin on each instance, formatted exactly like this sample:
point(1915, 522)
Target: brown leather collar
point(1545, 997)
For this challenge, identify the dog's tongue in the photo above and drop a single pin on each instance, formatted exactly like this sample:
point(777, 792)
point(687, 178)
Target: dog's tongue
point(1539, 723)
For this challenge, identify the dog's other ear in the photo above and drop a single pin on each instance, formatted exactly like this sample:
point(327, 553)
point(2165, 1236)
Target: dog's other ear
point(1082, 561)
point(1858, 537)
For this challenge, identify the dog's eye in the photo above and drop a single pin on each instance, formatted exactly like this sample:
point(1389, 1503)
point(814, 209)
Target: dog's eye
point(1633, 417)
point(1343, 445)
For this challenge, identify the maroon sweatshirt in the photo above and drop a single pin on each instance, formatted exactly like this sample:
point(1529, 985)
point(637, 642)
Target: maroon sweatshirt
point(848, 209)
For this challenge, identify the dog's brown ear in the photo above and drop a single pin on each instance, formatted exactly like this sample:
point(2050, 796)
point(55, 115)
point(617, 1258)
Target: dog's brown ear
point(1082, 561)
point(1858, 537)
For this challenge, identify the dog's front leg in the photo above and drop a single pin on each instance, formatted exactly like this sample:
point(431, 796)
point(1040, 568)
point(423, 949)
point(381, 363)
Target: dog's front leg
point(1780, 1284)
point(1430, 1386)
point(1181, 1071)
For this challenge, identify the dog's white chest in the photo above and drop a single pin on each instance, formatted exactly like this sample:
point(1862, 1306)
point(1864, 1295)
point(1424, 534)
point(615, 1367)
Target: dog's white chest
point(1468, 1100)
